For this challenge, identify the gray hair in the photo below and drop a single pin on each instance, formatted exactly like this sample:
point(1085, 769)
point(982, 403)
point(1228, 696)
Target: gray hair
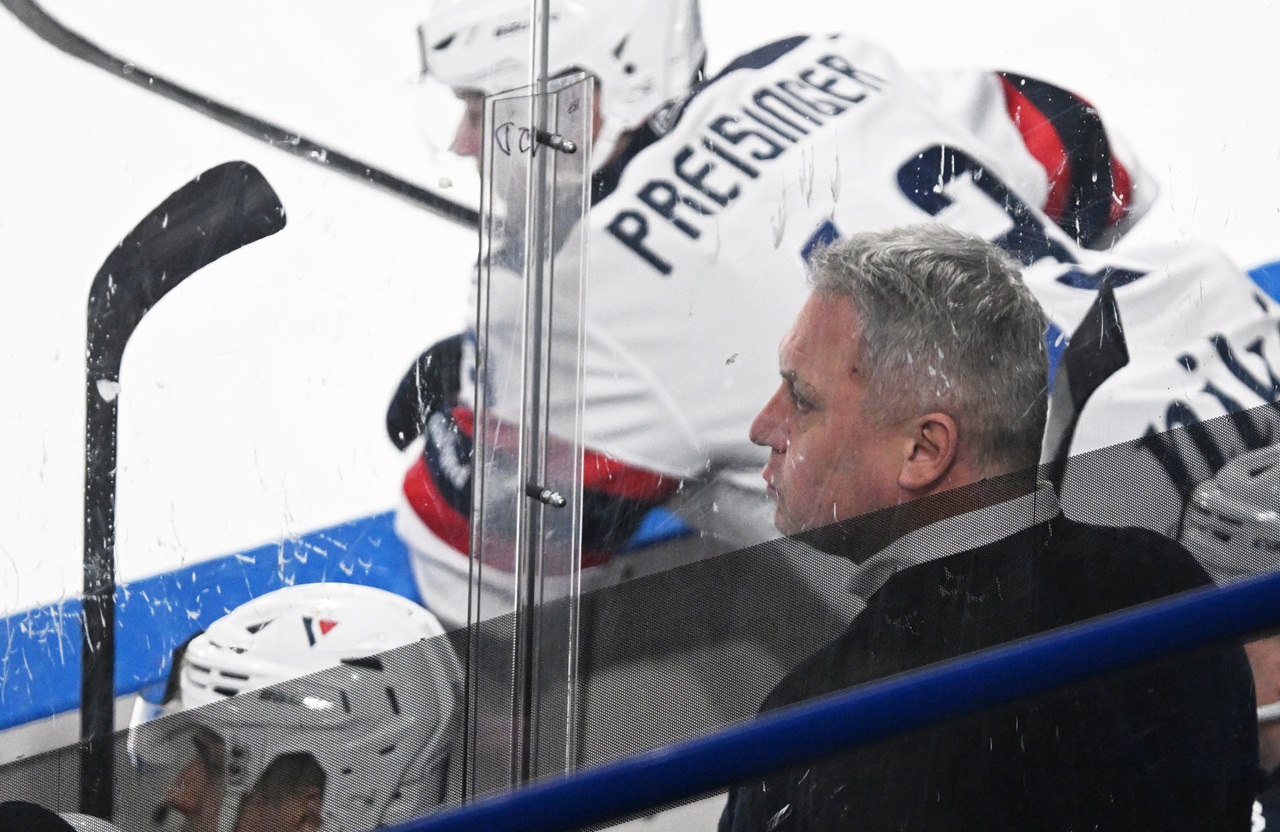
point(946, 325)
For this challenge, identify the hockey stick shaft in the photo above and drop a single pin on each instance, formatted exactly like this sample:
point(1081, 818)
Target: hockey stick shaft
point(1096, 352)
point(35, 18)
point(221, 210)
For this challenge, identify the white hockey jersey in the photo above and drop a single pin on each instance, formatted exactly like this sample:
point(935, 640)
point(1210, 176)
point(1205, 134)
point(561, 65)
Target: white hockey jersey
point(700, 230)
point(697, 252)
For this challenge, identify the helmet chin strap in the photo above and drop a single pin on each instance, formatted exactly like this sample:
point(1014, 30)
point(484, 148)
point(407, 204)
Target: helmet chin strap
point(1269, 713)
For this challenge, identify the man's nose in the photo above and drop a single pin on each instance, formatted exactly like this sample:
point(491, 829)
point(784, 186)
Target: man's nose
point(765, 429)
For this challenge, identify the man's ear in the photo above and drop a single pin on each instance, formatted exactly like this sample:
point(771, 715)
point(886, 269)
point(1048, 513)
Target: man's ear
point(932, 442)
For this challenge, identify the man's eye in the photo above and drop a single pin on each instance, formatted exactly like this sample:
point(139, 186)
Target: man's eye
point(210, 756)
point(210, 759)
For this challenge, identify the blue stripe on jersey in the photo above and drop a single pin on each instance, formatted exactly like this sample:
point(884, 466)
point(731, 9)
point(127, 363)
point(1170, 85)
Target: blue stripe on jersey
point(1267, 276)
point(658, 526)
point(1055, 342)
point(760, 57)
point(1092, 281)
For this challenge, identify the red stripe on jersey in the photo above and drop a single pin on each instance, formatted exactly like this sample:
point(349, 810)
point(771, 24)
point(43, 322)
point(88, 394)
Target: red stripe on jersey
point(455, 529)
point(444, 521)
point(618, 482)
point(600, 472)
point(618, 479)
point(595, 557)
point(1121, 191)
point(1045, 145)
point(465, 418)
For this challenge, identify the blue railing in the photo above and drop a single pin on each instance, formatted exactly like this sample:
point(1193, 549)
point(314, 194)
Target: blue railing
point(783, 740)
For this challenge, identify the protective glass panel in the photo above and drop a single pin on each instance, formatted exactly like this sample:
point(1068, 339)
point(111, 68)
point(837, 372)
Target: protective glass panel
point(733, 627)
point(251, 402)
point(1117, 752)
point(526, 541)
point(885, 594)
point(796, 619)
point(294, 243)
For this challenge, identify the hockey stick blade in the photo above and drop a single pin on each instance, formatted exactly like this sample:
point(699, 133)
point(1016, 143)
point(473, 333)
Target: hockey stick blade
point(35, 18)
point(1096, 352)
point(221, 210)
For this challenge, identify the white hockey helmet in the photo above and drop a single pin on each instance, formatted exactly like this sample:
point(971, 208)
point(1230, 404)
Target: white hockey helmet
point(1232, 523)
point(378, 711)
point(642, 53)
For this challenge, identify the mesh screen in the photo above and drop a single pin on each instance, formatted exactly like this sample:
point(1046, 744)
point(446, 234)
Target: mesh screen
point(680, 653)
point(1133, 750)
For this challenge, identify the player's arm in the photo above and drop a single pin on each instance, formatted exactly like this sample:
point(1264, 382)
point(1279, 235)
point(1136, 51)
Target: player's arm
point(1053, 143)
point(1096, 191)
point(438, 487)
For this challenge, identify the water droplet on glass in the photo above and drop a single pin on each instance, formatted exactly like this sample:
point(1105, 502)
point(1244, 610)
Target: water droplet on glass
point(108, 389)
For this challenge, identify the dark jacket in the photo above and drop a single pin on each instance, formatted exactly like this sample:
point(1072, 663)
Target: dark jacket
point(1167, 746)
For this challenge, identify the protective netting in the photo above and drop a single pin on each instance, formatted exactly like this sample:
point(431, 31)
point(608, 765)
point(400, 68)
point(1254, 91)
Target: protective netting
point(680, 653)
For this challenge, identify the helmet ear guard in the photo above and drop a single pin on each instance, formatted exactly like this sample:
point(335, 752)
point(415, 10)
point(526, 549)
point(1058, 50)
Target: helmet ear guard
point(1232, 521)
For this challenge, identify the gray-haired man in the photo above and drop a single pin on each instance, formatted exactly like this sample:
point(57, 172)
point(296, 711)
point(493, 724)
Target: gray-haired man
point(917, 370)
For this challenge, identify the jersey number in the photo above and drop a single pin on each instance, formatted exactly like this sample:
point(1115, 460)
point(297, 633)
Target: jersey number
point(928, 181)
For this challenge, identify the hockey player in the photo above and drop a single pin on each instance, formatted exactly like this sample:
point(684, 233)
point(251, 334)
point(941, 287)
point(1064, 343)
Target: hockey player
point(1232, 527)
point(704, 211)
point(316, 706)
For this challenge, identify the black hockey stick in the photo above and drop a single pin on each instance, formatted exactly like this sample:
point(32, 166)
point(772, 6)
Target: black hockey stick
point(221, 210)
point(35, 18)
point(1096, 352)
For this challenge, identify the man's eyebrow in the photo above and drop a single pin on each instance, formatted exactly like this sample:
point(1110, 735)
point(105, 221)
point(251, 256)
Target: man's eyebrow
point(798, 386)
